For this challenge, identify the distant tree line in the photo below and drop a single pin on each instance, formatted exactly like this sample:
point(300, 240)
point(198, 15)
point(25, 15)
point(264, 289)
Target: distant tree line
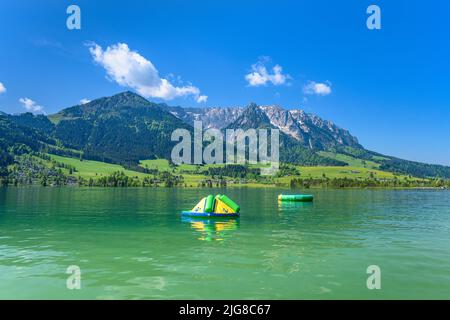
point(233, 171)
point(367, 183)
point(421, 170)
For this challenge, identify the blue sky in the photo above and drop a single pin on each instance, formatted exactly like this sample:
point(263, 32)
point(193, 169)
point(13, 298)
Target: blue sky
point(389, 87)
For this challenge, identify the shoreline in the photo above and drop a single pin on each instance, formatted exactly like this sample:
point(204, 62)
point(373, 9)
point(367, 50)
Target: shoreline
point(253, 186)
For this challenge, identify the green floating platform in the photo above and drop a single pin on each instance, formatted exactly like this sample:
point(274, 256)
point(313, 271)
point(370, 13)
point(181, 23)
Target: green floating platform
point(218, 206)
point(296, 197)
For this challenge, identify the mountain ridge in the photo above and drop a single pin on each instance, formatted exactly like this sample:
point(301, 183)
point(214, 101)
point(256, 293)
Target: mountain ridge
point(126, 128)
point(311, 130)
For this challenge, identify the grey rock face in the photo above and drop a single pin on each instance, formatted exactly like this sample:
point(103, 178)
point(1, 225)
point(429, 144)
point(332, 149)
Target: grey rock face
point(310, 130)
point(212, 117)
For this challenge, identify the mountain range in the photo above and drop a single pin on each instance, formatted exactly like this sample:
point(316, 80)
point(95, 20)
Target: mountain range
point(126, 128)
point(310, 130)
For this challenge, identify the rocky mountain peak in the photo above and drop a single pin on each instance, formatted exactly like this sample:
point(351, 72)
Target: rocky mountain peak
point(211, 117)
point(310, 130)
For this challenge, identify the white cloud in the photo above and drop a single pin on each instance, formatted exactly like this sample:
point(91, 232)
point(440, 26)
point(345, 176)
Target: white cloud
point(31, 106)
point(260, 76)
point(84, 101)
point(320, 89)
point(2, 88)
point(202, 98)
point(129, 69)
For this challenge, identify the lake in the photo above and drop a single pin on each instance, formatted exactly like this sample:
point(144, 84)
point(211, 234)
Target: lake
point(133, 244)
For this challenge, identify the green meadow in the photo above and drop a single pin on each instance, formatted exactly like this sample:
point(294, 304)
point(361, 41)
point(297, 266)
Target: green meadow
point(354, 162)
point(94, 169)
point(193, 175)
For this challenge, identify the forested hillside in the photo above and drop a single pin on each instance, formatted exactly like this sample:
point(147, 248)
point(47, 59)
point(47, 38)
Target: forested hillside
point(125, 129)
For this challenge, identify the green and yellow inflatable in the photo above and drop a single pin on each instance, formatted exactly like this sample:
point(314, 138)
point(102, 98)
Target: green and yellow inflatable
point(218, 206)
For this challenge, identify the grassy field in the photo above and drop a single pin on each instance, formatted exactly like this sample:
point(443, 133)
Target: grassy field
point(354, 162)
point(163, 164)
point(160, 164)
point(95, 169)
point(192, 177)
point(349, 172)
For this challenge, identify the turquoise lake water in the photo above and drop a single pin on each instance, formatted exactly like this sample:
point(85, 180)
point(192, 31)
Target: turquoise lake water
point(133, 244)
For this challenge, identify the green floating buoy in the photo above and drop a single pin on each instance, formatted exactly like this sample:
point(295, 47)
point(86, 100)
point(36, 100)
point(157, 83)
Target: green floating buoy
point(296, 197)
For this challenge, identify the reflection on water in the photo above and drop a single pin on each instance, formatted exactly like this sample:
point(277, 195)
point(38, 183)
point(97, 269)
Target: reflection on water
point(131, 243)
point(213, 229)
point(292, 206)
